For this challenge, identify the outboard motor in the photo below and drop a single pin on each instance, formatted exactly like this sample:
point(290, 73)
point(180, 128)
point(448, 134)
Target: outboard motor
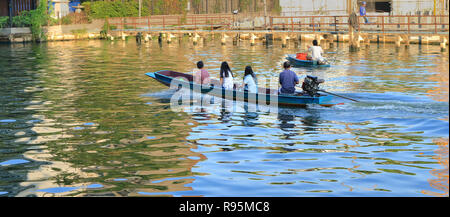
point(311, 85)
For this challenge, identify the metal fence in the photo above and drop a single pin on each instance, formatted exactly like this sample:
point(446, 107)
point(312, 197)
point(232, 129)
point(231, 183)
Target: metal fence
point(407, 24)
point(172, 22)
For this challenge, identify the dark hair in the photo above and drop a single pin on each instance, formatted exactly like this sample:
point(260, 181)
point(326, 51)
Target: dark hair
point(224, 69)
point(249, 71)
point(200, 64)
point(315, 42)
point(286, 65)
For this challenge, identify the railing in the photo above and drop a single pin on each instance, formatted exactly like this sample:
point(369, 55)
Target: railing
point(385, 24)
point(407, 24)
point(309, 23)
point(172, 22)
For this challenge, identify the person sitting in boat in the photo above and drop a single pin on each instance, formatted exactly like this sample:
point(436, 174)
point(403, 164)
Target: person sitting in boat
point(288, 79)
point(201, 76)
point(316, 53)
point(226, 76)
point(250, 81)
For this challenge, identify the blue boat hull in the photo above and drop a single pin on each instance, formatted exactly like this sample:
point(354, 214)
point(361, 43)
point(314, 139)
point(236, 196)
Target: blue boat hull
point(165, 77)
point(303, 63)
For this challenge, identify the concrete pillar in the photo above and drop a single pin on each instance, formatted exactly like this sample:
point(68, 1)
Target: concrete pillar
point(425, 40)
point(284, 39)
point(108, 36)
point(398, 41)
point(195, 39)
point(444, 42)
point(268, 39)
point(169, 38)
point(147, 37)
point(367, 41)
point(224, 39)
point(235, 39)
point(406, 39)
point(331, 43)
point(353, 40)
point(252, 39)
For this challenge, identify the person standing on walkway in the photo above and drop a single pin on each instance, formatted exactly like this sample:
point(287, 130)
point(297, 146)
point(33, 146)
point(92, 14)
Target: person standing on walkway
point(362, 12)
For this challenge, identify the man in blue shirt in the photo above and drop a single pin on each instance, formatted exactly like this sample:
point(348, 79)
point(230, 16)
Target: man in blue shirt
point(362, 12)
point(288, 80)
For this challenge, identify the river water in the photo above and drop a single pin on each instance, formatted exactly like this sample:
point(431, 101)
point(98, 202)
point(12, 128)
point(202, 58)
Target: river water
point(80, 118)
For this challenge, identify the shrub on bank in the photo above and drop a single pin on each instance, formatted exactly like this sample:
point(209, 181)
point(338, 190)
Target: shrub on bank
point(104, 9)
point(22, 20)
point(4, 22)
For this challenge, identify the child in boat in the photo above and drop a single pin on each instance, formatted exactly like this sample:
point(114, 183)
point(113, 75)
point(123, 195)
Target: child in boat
point(201, 75)
point(250, 81)
point(226, 76)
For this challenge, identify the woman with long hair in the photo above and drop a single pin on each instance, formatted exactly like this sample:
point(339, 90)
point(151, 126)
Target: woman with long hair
point(250, 81)
point(226, 76)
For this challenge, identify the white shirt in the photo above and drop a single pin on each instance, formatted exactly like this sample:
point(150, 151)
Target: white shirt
point(316, 52)
point(250, 82)
point(228, 82)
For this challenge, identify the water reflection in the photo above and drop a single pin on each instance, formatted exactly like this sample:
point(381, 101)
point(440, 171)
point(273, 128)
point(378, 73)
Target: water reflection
point(440, 180)
point(76, 121)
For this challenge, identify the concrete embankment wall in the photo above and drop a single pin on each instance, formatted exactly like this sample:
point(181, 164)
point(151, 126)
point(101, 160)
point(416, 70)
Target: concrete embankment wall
point(245, 28)
point(74, 31)
point(54, 33)
point(14, 35)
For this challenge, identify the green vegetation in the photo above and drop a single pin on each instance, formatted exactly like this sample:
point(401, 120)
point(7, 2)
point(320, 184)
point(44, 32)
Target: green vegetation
point(276, 8)
point(39, 17)
point(130, 8)
point(104, 9)
point(24, 19)
point(4, 21)
point(79, 32)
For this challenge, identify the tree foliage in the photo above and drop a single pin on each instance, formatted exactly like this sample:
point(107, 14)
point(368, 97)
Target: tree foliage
point(130, 8)
point(4, 21)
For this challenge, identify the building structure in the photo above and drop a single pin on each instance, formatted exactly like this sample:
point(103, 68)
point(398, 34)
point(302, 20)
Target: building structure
point(374, 7)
